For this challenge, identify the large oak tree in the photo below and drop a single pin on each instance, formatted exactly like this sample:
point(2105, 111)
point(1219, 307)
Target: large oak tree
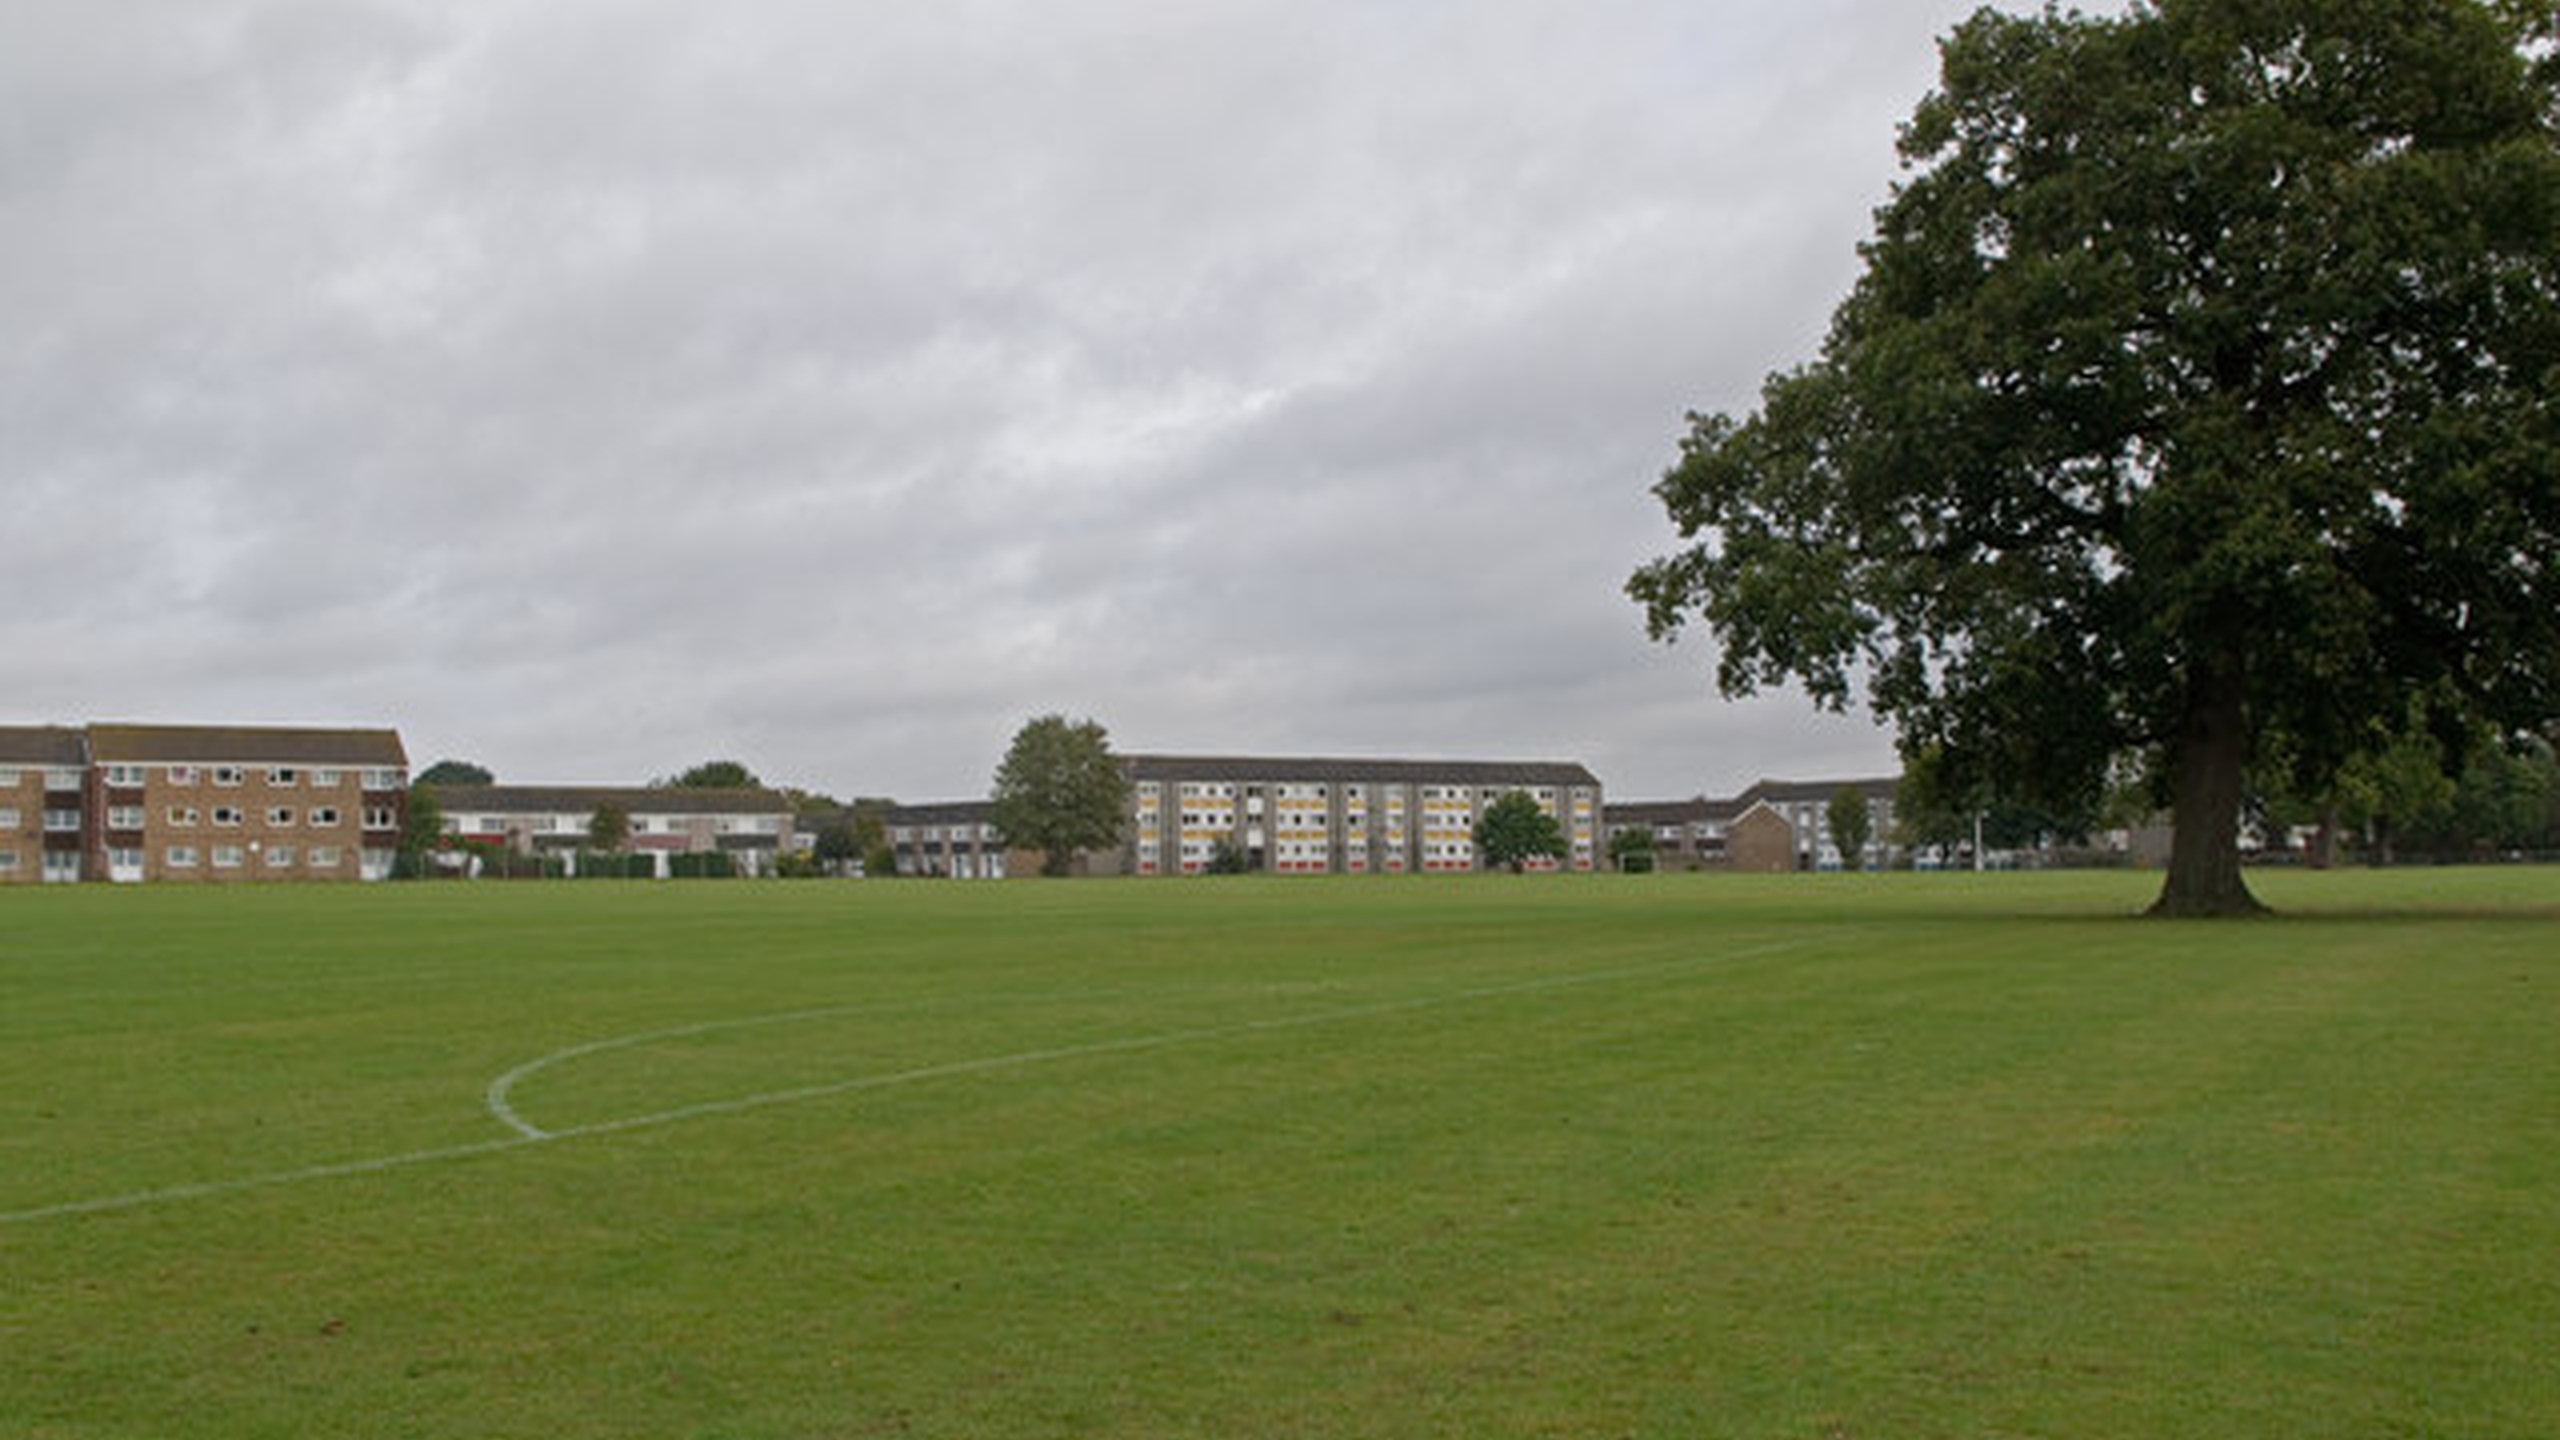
point(2199, 405)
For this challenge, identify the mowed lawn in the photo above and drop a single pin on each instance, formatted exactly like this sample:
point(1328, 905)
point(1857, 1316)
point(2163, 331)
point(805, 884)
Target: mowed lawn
point(1817, 1157)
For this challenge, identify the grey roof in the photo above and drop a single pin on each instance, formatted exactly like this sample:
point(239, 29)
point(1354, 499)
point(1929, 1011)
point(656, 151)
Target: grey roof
point(244, 745)
point(1269, 770)
point(42, 745)
point(634, 799)
point(1672, 812)
point(1775, 791)
point(946, 812)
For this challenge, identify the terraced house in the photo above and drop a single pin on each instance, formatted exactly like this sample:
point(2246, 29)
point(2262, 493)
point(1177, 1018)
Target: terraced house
point(204, 803)
point(749, 826)
point(1309, 816)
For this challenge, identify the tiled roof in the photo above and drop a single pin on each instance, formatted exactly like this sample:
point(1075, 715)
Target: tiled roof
point(583, 799)
point(243, 744)
point(41, 745)
point(1273, 770)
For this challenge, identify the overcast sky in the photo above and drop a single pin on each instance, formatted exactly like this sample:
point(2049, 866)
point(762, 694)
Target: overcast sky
point(593, 387)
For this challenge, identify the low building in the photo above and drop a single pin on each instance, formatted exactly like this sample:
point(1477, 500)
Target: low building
point(205, 803)
point(1316, 816)
point(1687, 834)
point(749, 826)
point(955, 840)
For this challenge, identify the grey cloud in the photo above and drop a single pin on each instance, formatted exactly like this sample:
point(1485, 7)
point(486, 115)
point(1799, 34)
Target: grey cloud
point(593, 387)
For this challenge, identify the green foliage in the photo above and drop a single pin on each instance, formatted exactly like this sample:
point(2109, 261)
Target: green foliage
point(711, 775)
point(609, 828)
point(2197, 403)
point(421, 828)
point(1513, 831)
point(702, 865)
point(1632, 850)
point(880, 861)
point(1225, 858)
point(1851, 826)
point(456, 772)
point(1059, 791)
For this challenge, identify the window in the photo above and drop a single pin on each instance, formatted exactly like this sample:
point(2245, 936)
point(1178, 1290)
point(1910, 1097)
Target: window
point(380, 817)
point(62, 822)
point(325, 779)
point(62, 779)
point(8, 777)
point(382, 779)
point(124, 817)
point(182, 774)
point(226, 857)
point(283, 775)
point(124, 777)
point(180, 857)
point(280, 815)
point(228, 775)
point(180, 815)
point(279, 857)
point(324, 815)
point(375, 864)
point(226, 814)
point(8, 819)
point(324, 857)
point(125, 862)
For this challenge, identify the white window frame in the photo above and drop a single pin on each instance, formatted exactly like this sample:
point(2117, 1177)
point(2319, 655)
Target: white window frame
point(179, 857)
point(229, 776)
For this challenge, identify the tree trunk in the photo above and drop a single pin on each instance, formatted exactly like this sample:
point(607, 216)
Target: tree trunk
point(2209, 769)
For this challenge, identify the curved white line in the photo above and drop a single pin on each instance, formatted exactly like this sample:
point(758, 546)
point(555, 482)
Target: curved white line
point(527, 1133)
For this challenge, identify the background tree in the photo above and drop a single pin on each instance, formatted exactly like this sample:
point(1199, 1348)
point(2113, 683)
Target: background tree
point(421, 830)
point(1059, 791)
point(2199, 392)
point(456, 772)
point(1851, 826)
point(609, 828)
point(711, 775)
point(1632, 850)
point(1513, 831)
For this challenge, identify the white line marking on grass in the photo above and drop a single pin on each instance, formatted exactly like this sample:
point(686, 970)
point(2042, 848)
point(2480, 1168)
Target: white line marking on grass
point(527, 1133)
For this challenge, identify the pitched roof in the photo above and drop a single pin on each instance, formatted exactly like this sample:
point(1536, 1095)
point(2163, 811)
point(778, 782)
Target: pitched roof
point(244, 744)
point(42, 745)
point(583, 799)
point(1272, 770)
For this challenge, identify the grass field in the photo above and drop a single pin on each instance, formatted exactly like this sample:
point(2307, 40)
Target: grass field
point(1815, 1157)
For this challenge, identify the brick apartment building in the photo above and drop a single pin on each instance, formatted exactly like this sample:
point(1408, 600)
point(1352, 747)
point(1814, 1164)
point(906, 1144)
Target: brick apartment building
point(128, 803)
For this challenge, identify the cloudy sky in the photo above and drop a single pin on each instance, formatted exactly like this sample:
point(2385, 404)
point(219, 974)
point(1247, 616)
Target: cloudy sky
point(593, 387)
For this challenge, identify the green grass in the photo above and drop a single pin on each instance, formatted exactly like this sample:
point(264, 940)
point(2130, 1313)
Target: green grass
point(1665, 1156)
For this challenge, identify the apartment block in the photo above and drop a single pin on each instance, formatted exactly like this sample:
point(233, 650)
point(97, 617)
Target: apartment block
point(129, 803)
point(1312, 816)
point(44, 782)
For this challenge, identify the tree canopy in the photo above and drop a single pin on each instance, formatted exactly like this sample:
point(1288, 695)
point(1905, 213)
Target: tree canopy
point(1513, 831)
point(711, 775)
point(2195, 410)
point(456, 772)
point(1059, 790)
point(1851, 825)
